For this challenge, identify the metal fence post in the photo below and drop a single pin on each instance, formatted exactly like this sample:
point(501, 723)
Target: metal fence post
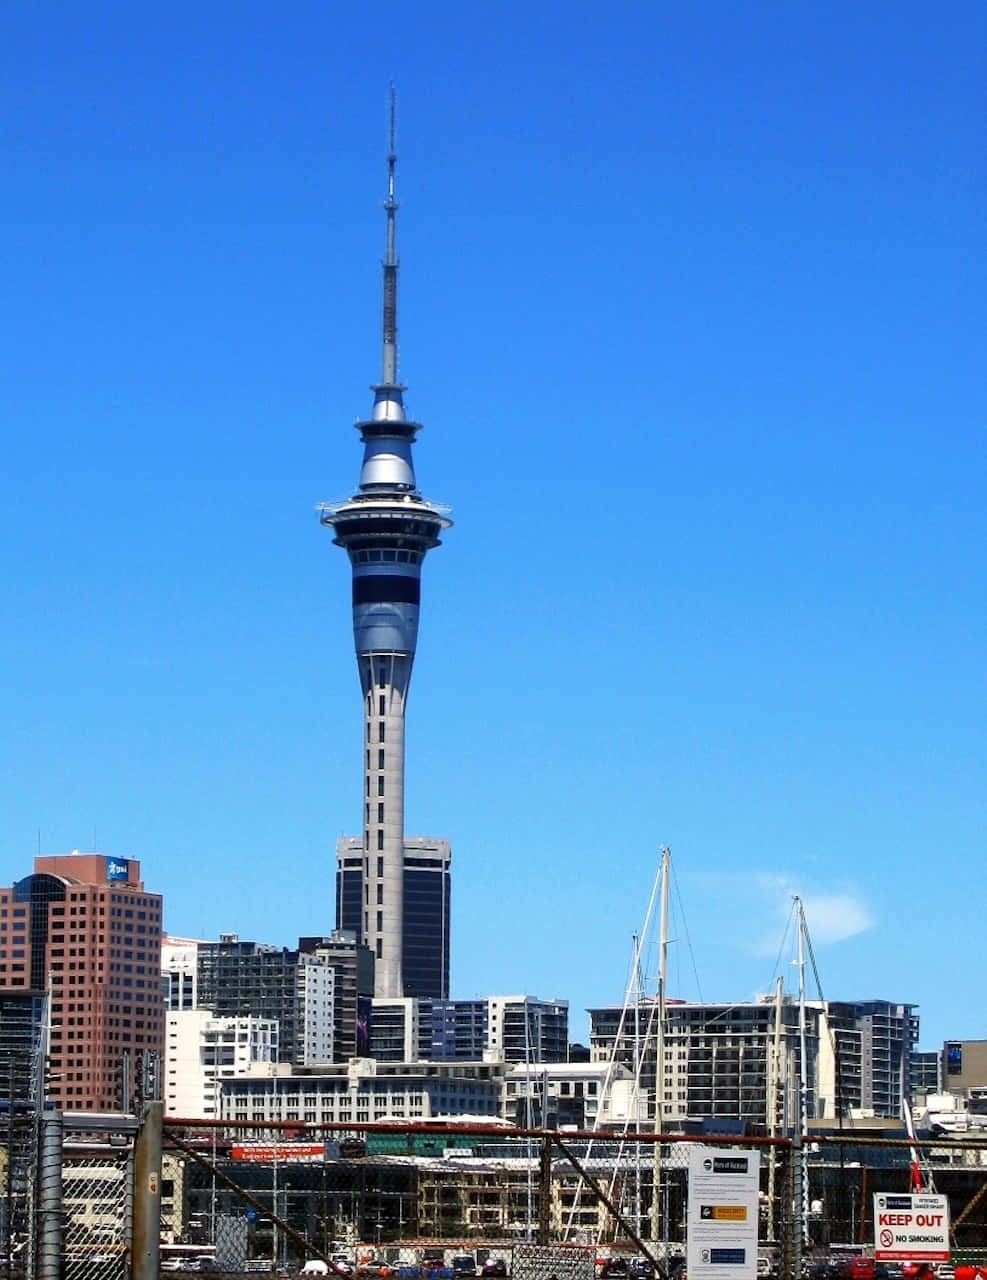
point(147, 1195)
point(49, 1217)
point(545, 1198)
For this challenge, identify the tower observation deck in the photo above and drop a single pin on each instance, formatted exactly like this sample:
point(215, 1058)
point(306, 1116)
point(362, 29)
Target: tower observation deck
point(386, 528)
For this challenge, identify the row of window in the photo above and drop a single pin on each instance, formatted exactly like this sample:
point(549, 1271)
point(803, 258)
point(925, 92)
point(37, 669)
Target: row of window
point(344, 1117)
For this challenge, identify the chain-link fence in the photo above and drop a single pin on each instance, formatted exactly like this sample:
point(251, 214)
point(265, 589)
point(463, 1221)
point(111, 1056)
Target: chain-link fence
point(16, 1164)
point(846, 1171)
point(402, 1198)
point(97, 1198)
point(436, 1201)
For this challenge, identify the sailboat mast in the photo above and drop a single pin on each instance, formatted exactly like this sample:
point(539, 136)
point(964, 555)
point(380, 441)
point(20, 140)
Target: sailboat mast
point(802, 1121)
point(656, 1232)
point(774, 1084)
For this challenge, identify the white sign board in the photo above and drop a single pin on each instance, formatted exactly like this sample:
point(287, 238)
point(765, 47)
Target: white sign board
point(911, 1228)
point(721, 1234)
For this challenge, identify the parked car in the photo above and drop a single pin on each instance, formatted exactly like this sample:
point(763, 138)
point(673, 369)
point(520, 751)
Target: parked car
point(615, 1267)
point(464, 1264)
point(641, 1269)
point(494, 1267)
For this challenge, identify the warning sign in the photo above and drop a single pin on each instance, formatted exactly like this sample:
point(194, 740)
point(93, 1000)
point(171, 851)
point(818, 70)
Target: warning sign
point(724, 1212)
point(911, 1228)
point(721, 1231)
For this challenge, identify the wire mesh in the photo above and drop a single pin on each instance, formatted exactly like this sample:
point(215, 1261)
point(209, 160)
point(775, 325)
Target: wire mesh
point(96, 1216)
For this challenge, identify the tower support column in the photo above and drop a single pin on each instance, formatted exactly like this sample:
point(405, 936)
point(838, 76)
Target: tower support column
point(385, 678)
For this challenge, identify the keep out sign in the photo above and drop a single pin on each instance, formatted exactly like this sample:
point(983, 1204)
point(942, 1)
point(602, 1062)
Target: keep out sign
point(911, 1227)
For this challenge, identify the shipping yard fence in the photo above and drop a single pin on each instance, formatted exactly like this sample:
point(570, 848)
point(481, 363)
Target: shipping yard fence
point(400, 1196)
point(435, 1200)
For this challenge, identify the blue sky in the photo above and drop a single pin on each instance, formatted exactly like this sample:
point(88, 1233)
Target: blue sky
point(691, 306)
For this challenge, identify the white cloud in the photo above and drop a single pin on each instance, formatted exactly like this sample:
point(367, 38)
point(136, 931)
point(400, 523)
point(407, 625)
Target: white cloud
point(830, 916)
point(747, 917)
point(837, 916)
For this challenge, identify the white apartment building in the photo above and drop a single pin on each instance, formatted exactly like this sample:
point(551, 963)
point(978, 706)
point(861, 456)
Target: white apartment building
point(203, 1050)
point(316, 1001)
point(363, 1090)
point(180, 972)
point(719, 1059)
point(526, 1029)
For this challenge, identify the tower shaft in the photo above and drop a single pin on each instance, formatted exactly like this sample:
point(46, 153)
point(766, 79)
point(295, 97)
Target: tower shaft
point(385, 680)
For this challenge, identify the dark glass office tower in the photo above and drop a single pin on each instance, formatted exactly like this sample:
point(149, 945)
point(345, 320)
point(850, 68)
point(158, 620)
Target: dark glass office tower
point(425, 909)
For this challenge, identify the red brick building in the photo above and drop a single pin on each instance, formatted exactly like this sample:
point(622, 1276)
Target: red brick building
point(83, 928)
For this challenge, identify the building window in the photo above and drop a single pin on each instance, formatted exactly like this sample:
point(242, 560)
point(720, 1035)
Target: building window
point(383, 705)
point(380, 813)
point(380, 895)
point(380, 758)
point(380, 785)
point(380, 839)
point(380, 949)
point(380, 866)
point(380, 731)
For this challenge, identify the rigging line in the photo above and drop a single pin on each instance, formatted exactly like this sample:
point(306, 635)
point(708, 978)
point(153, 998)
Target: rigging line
point(611, 1067)
point(784, 939)
point(633, 983)
point(833, 1043)
point(688, 937)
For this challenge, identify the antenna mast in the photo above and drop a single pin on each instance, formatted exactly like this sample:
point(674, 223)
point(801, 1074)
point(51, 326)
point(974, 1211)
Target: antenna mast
point(389, 317)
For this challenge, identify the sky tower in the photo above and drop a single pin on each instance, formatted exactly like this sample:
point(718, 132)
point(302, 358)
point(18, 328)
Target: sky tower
point(386, 528)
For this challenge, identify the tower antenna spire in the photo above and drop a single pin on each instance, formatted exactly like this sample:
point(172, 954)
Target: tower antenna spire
point(389, 316)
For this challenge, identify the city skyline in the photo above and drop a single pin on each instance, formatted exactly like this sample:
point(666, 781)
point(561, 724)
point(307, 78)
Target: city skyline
point(692, 310)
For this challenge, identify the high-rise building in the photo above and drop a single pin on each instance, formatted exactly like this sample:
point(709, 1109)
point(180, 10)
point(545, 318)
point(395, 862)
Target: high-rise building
point(386, 528)
point(353, 989)
point(83, 928)
point(180, 972)
point(719, 1059)
point(315, 996)
point(203, 1050)
point(21, 1025)
point(963, 1065)
point(491, 1029)
point(425, 926)
point(292, 988)
point(873, 1045)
